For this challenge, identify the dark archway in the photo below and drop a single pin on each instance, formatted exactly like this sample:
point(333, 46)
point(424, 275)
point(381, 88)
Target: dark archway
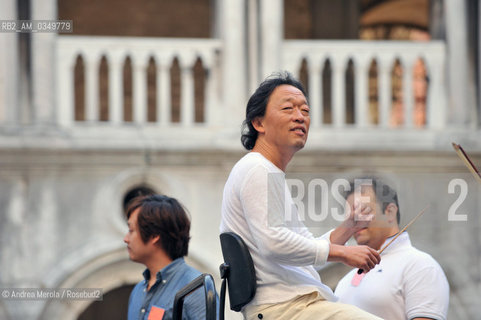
point(113, 306)
point(136, 192)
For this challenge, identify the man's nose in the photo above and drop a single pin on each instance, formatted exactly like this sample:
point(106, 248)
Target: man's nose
point(126, 239)
point(298, 116)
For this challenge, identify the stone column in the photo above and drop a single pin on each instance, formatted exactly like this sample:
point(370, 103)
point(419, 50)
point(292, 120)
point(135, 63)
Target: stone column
point(460, 83)
point(43, 65)
point(361, 91)
point(163, 91)
point(272, 34)
point(315, 92)
point(385, 98)
point(116, 89)
point(139, 80)
point(253, 44)
point(232, 33)
point(91, 63)
point(8, 67)
point(479, 68)
point(338, 92)
point(187, 99)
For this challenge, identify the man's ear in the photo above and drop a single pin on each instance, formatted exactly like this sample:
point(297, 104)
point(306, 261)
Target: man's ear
point(391, 212)
point(155, 240)
point(258, 124)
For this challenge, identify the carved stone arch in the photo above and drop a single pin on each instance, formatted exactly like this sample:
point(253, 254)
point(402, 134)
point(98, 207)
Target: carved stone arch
point(152, 80)
point(127, 88)
point(327, 78)
point(373, 90)
point(106, 271)
point(303, 73)
point(79, 87)
point(200, 78)
point(350, 91)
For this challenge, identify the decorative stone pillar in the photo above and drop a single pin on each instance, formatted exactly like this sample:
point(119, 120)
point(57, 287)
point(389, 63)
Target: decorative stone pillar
point(479, 71)
point(232, 33)
point(116, 90)
point(315, 92)
point(43, 65)
point(253, 44)
point(385, 98)
point(139, 80)
point(361, 71)
point(92, 63)
point(338, 91)
point(272, 34)
point(461, 87)
point(187, 99)
point(163, 91)
point(8, 67)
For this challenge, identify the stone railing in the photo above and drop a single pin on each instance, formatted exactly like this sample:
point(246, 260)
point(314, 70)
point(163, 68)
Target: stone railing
point(351, 113)
point(140, 52)
point(360, 57)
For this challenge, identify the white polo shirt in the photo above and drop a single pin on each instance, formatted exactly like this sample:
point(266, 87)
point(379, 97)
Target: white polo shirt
point(408, 283)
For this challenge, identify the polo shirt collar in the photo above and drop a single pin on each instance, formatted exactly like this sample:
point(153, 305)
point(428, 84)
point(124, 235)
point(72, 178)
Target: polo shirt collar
point(166, 272)
point(401, 241)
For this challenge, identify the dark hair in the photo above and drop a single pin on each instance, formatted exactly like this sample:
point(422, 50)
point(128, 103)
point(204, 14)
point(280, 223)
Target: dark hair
point(163, 216)
point(257, 104)
point(384, 194)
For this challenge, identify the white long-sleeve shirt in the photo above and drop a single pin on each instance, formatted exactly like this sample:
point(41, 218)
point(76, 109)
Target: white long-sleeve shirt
point(257, 205)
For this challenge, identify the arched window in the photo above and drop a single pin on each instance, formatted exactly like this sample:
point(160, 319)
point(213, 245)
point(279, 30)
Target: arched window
point(79, 81)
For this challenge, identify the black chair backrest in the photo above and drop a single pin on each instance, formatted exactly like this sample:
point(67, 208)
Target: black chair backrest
point(240, 272)
point(207, 282)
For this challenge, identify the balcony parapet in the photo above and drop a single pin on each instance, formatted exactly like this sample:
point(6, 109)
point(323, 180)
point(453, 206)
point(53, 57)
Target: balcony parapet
point(216, 131)
point(361, 55)
point(115, 50)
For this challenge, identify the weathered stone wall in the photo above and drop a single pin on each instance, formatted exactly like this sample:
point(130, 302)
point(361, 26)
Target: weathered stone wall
point(63, 219)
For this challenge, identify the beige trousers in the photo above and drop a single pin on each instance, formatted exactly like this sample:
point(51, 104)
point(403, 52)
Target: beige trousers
point(311, 306)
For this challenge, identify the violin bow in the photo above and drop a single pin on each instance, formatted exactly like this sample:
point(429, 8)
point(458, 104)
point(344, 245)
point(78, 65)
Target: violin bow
point(459, 150)
point(359, 271)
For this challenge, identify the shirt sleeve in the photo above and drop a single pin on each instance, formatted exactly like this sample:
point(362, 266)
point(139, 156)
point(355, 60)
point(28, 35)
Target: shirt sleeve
point(274, 223)
point(426, 291)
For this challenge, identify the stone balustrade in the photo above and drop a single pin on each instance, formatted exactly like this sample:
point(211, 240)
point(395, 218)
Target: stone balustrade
point(216, 129)
point(361, 55)
point(140, 51)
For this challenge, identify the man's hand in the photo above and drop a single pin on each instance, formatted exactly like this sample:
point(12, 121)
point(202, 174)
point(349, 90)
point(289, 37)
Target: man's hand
point(358, 217)
point(362, 257)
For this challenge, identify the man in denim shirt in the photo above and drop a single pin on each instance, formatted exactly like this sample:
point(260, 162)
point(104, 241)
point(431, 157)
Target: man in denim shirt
point(158, 237)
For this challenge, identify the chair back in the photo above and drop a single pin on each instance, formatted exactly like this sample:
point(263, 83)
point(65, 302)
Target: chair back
point(238, 269)
point(207, 283)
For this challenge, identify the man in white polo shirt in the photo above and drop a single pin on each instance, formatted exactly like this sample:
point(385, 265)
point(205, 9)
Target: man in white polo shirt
point(408, 283)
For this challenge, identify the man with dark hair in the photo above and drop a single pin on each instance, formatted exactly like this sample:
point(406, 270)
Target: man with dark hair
point(256, 204)
point(158, 237)
point(408, 283)
point(257, 104)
